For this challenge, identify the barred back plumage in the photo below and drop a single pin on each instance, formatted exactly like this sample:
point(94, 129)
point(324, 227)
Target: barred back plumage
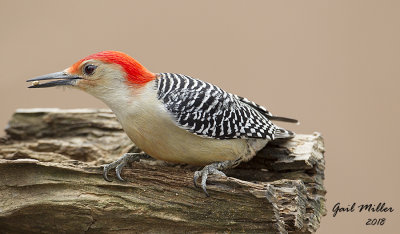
point(206, 110)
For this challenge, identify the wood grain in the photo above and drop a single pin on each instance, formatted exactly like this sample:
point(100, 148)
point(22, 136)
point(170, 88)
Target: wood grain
point(50, 181)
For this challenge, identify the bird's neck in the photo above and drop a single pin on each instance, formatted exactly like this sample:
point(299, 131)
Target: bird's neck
point(127, 102)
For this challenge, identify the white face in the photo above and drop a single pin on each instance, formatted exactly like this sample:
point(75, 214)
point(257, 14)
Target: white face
point(99, 78)
point(104, 81)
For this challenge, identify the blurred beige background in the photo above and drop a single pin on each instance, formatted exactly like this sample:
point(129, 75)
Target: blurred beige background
point(334, 65)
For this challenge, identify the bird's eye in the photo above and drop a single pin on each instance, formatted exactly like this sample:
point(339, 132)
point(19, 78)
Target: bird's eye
point(89, 69)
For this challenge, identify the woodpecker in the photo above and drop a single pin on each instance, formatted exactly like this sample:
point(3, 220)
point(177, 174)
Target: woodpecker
point(172, 117)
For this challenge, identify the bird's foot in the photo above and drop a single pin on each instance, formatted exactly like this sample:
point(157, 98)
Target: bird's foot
point(121, 163)
point(212, 169)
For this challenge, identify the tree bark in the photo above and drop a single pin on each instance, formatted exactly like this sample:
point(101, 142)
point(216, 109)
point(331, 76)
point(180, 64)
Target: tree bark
point(50, 181)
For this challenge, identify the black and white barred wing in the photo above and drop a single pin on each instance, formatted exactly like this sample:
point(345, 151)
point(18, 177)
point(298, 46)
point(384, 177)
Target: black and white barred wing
point(206, 110)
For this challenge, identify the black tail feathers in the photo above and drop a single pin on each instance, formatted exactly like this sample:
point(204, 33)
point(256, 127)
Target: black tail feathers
point(283, 119)
point(283, 133)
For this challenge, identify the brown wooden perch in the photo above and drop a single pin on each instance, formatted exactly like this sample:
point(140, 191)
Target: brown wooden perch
point(50, 181)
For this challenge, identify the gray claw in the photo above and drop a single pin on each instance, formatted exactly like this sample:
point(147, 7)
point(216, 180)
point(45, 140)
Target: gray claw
point(118, 170)
point(106, 168)
point(204, 177)
point(195, 177)
point(120, 164)
point(207, 170)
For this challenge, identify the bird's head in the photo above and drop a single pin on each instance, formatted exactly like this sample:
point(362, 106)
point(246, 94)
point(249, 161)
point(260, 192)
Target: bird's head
point(99, 74)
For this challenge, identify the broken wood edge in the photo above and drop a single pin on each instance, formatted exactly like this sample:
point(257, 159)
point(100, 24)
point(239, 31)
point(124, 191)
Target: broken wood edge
point(101, 123)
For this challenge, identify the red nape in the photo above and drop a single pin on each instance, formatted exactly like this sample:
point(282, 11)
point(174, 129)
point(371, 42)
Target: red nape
point(136, 73)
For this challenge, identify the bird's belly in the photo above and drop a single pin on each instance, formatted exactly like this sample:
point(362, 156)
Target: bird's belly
point(164, 140)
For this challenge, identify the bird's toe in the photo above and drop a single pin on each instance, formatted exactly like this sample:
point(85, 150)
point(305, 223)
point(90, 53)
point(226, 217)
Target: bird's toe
point(196, 177)
point(106, 168)
point(118, 170)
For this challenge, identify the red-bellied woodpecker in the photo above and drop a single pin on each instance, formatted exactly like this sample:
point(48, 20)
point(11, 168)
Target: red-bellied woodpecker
point(172, 117)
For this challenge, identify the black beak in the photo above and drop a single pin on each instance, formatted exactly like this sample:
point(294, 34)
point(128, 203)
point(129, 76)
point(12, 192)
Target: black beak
point(59, 79)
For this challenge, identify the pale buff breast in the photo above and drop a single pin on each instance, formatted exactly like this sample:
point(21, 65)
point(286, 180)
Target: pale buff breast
point(163, 140)
point(152, 129)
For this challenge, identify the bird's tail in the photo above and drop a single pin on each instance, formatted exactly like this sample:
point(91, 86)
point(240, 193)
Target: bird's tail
point(283, 119)
point(283, 133)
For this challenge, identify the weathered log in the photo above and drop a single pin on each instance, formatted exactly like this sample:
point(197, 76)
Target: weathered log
point(50, 180)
